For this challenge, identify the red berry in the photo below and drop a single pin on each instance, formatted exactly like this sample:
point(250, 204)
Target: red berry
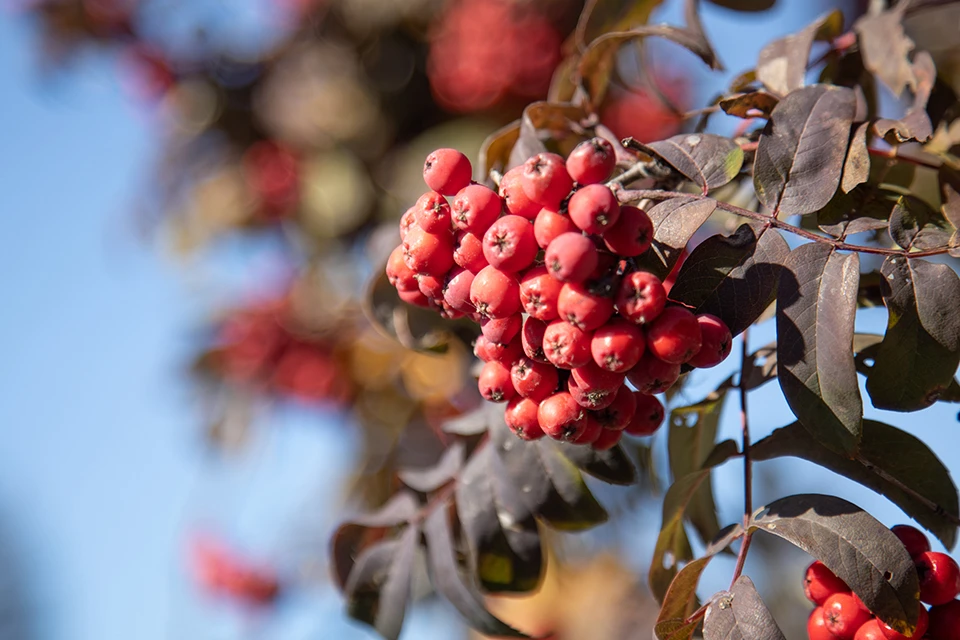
point(501, 329)
point(647, 417)
point(819, 583)
point(590, 433)
point(432, 212)
point(653, 375)
point(565, 345)
point(843, 615)
point(817, 626)
point(592, 399)
point(675, 335)
point(401, 276)
point(631, 234)
point(617, 345)
point(457, 292)
point(447, 171)
point(495, 294)
point(515, 200)
point(494, 383)
point(468, 252)
point(428, 253)
point(475, 208)
point(415, 298)
point(431, 287)
point(945, 621)
point(715, 344)
point(531, 337)
point(594, 208)
point(914, 540)
point(592, 161)
point(607, 439)
point(619, 413)
point(545, 180)
point(923, 622)
point(407, 220)
point(583, 309)
point(539, 292)
point(549, 224)
point(535, 380)
point(641, 297)
point(521, 417)
point(571, 257)
point(505, 354)
point(561, 417)
point(939, 577)
point(509, 244)
point(592, 378)
point(870, 631)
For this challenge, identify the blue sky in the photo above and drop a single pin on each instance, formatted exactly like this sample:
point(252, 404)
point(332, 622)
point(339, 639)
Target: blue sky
point(101, 468)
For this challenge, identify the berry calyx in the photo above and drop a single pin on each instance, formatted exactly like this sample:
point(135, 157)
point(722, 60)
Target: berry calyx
point(432, 212)
point(539, 292)
point(565, 345)
point(494, 293)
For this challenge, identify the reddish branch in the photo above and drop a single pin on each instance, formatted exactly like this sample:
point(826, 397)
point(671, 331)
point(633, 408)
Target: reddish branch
point(747, 460)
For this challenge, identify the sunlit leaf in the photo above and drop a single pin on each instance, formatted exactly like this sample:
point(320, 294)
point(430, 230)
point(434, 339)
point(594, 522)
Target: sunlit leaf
point(708, 160)
point(782, 65)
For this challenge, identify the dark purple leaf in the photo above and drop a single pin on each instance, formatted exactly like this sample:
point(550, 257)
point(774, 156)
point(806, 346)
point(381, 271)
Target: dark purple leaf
point(706, 159)
point(673, 546)
point(916, 225)
point(862, 551)
point(782, 65)
point(919, 354)
point(432, 478)
point(889, 461)
point(725, 537)
point(378, 589)
point(732, 277)
point(816, 305)
point(602, 16)
point(612, 466)
point(679, 602)
point(761, 368)
point(541, 120)
point(886, 48)
point(801, 151)
point(473, 422)
point(740, 614)
point(915, 124)
point(856, 168)
point(495, 150)
point(674, 223)
point(745, 104)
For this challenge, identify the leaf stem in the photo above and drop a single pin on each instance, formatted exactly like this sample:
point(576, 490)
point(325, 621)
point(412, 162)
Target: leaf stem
point(747, 459)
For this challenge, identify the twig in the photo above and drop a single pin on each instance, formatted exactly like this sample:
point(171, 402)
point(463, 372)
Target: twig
point(747, 460)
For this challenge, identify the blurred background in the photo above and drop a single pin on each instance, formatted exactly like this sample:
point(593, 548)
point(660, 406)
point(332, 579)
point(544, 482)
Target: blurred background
point(194, 195)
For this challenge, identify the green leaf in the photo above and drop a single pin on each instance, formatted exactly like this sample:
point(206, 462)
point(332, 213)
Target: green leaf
point(679, 602)
point(854, 545)
point(815, 313)
point(892, 462)
point(919, 354)
point(740, 614)
point(732, 277)
point(782, 65)
point(708, 160)
point(674, 223)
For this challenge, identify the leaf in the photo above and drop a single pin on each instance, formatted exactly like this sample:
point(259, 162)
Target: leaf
point(886, 48)
point(740, 614)
point(815, 312)
point(450, 583)
point(679, 602)
point(868, 205)
point(921, 349)
point(431, 478)
point(745, 5)
point(501, 532)
point(378, 589)
point(727, 536)
point(612, 466)
point(706, 159)
point(743, 105)
point(889, 460)
point(915, 124)
point(602, 16)
point(782, 65)
point(557, 120)
point(495, 150)
point(856, 168)
point(473, 422)
point(854, 545)
point(801, 151)
point(761, 367)
point(674, 223)
point(732, 277)
point(915, 225)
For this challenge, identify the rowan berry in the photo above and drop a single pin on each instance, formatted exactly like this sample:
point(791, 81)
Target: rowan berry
point(501, 330)
point(582, 308)
point(939, 577)
point(432, 212)
point(515, 200)
point(468, 252)
point(592, 399)
point(531, 337)
point(870, 631)
point(843, 615)
point(945, 621)
point(561, 417)
point(617, 345)
point(504, 353)
point(565, 345)
point(532, 379)
point(545, 180)
point(401, 276)
point(716, 342)
point(819, 583)
point(509, 244)
point(653, 375)
point(415, 298)
point(549, 224)
point(407, 220)
point(647, 417)
point(447, 171)
point(641, 297)
point(571, 257)
point(594, 208)
point(457, 291)
point(428, 253)
point(594, 378)
point(675, 335)
point(495, 294)
point(494, 383)
point(608, 439)
point(590, 433)
point(817, 626)
point(923, 622)
point(539, 292)
point(521, 417)
point(475, 208)
point(914, 540)
point(631, 234)
point(619, 413)
point(431, 286)
point(592, 161)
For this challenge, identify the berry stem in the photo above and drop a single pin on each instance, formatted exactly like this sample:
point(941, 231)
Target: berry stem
point(747, 460)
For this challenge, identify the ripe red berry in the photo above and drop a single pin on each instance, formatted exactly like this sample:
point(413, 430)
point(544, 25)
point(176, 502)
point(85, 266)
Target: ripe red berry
point(534, 380)
point(631, 234)
point(401, 276)
point(716, 342)
point(531, 337)
point(571, 257)
point(407, 220)
point(582, 308)
point(475, 208)
point(923, 622)
point(817, 626)
point(545, 180)
point(914, 540)
point(590, 433)
point(447, 171)
point(432, 212)
point(843, 615)
point(592, 161)
point(675, 335)
point(457, 291)
point(428, 253)
point(945, 621)
point(617, 345)
point(593, 378)
point(565, 345)
point(819, 583)
point(505, 354)
point(870, 631)
point(495, 294)
point(549, 224)
point(539, 292)
point(515, 200)
point(468, 252)
point(509, 244)
point(619, 413)
point(501, 329)
point(608, 439)
point(415, 298)
point(561, 417)
point(494, 383)
point(653, 375)
point(641, 297)
point(594, 208)
point(521, 417)
point(592, 399)
point(431, 287)
point(939, 577)
point(647, 417)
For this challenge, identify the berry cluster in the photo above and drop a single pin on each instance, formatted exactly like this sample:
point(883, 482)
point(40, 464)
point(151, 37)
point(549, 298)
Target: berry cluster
point(545, 267)
point(840, 615)
point(222, 573)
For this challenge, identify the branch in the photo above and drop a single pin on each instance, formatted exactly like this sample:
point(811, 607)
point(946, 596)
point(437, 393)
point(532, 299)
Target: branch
point(747, 460)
